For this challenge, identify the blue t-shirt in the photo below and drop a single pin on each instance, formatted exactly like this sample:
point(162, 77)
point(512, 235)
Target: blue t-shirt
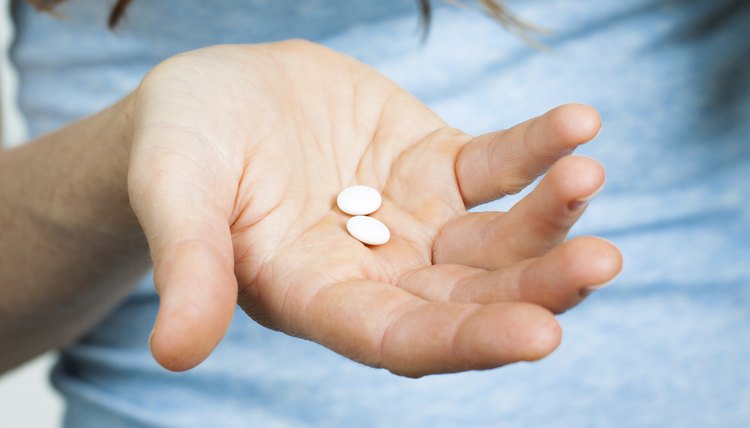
point(666, 345)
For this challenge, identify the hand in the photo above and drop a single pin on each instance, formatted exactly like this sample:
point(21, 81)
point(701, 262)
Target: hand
point(238, 155)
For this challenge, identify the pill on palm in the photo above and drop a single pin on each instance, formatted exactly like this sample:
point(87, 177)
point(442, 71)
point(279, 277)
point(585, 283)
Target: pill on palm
point(368, 230)
point(359, 200)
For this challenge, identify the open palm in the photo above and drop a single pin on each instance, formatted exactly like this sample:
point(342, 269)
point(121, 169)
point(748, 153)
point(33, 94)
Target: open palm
point(238, 156)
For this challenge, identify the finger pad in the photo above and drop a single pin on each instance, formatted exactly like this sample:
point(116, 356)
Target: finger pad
point(185, 334)
point(503, 333)
point(198, 298)
point(575, 123)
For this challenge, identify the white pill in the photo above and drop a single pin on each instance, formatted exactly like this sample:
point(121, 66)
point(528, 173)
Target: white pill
point(359, 200)
point(368, 230)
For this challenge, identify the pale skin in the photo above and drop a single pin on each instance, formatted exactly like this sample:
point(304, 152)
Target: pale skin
point(224, 165)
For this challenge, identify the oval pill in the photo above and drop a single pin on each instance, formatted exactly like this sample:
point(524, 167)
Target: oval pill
point(368, 230)
point(359, 200)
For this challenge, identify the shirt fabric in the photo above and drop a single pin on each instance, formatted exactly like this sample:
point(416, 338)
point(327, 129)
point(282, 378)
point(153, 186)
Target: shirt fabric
point(11, 122)
point(666, 344)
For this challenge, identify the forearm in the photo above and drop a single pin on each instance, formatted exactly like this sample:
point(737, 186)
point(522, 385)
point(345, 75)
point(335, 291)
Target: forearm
point(70, 246)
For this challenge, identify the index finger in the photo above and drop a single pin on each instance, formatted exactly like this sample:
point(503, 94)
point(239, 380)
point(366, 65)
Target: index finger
point(504, 162)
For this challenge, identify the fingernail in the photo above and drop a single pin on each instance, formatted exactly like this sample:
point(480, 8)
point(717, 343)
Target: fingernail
point(577, 205)
point(150, 338)
point(580, 203)
point(591, 288)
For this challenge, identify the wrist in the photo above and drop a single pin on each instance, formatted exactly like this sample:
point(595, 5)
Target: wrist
point(109, 156)
point(74, 181)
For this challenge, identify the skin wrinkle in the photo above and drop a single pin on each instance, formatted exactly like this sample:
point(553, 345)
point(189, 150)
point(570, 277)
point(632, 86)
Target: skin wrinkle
point(155, 234)
point(515, 285)
point(395, 316)
point(186, 184)
point(374, 144)
point(454, 178)
point(305, 310)
point(354, 123)
point(278, 242)
point(426, 242)
point(332, 148)
point(378, 267)
point(198, 162)
point(517, 291)
point(234, 231)
point(458, 175)
point(370, 152)
point(484, 236)
point(539, 154)
point(289, 280)
point(304, 166)
point(467, 313)
point(454, 347)
point(398, 159)
point(491, 161)
point(184, 243)
point(317, 295)
point(300, 116)
point(528, 148)
point(392, 274)
point(449, 292)
point(286, 321)
point(435, 248)
point(237, 229)
point(419, 139)
point(440, 237)
point(256, 296)
point(517, 183)
point(313, 224)
point(334, 143)
point(299, 215)
point(300, 236)
point(418, 225)
point(457, 291)
point(238, 212)
point(379, 270)
point(428, 141)
point(306, 196)
point(197, 134)
point(523, 279)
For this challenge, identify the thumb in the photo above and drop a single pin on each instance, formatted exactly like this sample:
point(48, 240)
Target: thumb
point(187, 228)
